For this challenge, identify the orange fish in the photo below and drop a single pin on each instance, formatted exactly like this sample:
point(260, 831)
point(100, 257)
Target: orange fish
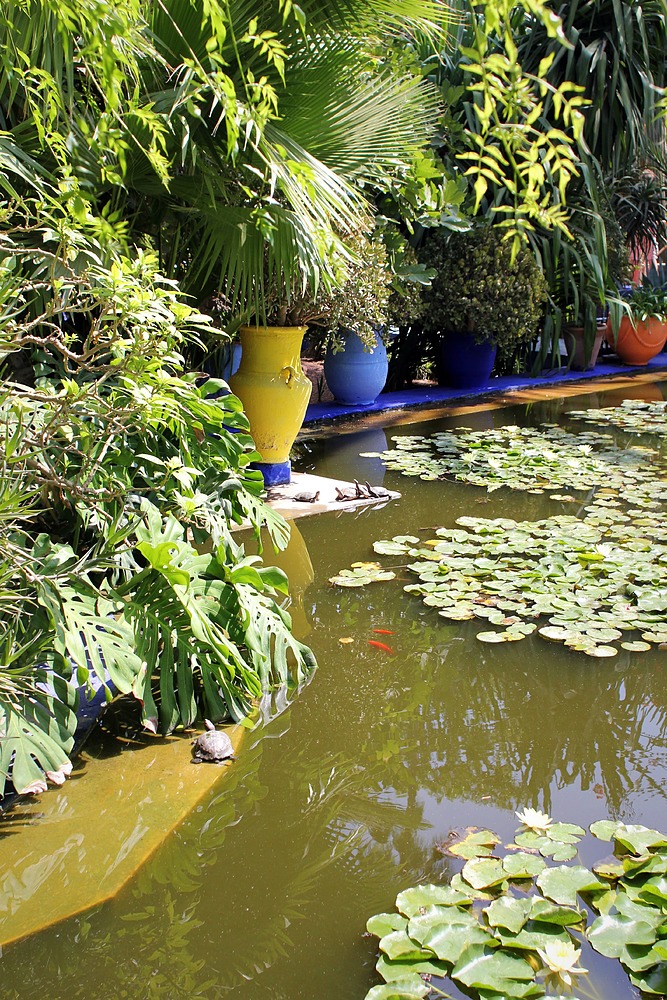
point(384, 631)
point(381, 645)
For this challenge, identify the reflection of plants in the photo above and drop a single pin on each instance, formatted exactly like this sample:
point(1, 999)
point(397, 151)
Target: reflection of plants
point(513, 926)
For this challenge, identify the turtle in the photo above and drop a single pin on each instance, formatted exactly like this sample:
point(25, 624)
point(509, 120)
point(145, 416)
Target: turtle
point(377, 491)
point(212, 747)
point(306, 497)
point(345, 495)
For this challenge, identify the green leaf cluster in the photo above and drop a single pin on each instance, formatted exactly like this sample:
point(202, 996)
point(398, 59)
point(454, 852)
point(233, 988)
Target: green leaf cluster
point(481, 287)
point(499, 931)
point(121, 479)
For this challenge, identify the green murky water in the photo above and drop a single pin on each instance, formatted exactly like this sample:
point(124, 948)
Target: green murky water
point(336, 805)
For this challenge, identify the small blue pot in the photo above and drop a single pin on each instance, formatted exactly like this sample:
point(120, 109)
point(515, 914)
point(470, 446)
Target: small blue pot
point(465, 363)
point(356, 377)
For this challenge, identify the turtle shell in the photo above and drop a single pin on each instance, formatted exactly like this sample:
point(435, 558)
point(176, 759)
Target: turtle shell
point(212, 747)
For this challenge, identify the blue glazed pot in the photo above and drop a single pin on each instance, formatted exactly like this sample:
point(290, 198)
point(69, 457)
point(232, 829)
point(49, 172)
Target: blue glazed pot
point(465, 363)
point(356, 377)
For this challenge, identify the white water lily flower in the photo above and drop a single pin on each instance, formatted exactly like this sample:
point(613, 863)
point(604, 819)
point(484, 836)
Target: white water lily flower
point(560, 958)
point(534, 819)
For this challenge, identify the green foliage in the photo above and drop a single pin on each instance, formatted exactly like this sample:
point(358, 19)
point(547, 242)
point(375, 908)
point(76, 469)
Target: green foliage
point(648, 301)
point(361, 302)
point(616, 56)
point(526, 941)
point(481, 287)
point(519, 162)
point(121, 480)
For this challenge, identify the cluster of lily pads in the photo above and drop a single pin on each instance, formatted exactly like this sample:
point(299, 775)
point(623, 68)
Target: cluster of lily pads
point(633, 415)
point(585, 581)
point(513, 926)
point(530, 459)
point(589, 581)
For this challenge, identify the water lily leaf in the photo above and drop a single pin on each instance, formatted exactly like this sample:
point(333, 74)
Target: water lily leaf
point(393, 970)
point(508, 912)
point(610, 869)
point(398, 945)
point(601, 652)
point(534, 935)
point(398, 545)
point(636, 647)
point(482, 968)
point(650, 864)
point(555, 634)
point(551, 913)
point(385, 923)
point(611, 933)
point(411, 901)
point(361, 575)
point(639, 957)
point(657, 638)
point(562, 884)
point(477, 844)
point(604, 829)
point(448, 931)
point(638, 839)
point(652, 981)
point(531, 840)
point(506, 636)
point(654, 892)
point(565, 833)
point(559, 852)
point(407, 987)
point(459, 885)
point(484, 873)
point(521, 865)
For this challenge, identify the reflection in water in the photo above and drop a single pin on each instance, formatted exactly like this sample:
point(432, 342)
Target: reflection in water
point(335, 806)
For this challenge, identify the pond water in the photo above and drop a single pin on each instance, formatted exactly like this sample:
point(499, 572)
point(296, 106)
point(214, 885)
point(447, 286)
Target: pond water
point(338, 803)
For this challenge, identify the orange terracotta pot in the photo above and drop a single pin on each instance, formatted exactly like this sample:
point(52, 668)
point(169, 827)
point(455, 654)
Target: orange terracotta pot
point(637, 345)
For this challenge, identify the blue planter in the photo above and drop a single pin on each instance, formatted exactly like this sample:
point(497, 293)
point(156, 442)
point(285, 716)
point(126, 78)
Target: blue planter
point(225, 363)
point(465, 363)
point(356, 377)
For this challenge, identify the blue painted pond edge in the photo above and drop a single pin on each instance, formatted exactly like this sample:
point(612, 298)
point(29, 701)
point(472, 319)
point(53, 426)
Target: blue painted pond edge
point(434, 395)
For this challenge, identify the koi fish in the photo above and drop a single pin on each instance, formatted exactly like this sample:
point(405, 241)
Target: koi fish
point(381, 645)
point(383, 631)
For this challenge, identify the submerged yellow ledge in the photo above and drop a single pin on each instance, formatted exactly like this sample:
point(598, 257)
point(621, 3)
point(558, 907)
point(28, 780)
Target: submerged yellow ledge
point(77, 845)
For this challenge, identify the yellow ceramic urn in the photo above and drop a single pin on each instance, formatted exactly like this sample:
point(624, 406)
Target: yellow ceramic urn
point(275, 393)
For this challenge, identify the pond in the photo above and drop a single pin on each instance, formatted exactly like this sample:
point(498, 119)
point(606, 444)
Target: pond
point(409, 731)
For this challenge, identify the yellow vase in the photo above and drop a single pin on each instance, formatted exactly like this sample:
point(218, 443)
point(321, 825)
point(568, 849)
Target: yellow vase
point(274, 391)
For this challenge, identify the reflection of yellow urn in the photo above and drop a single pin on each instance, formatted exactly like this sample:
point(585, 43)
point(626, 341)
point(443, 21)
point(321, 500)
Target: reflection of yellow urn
point(274, 391)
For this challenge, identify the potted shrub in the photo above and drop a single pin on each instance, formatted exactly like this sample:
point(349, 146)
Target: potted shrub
point(596, 260)
point(481, 300)
point(355, 365)
point(639, 332)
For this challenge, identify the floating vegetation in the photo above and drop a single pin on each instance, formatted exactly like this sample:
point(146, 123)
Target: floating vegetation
point(633, 415)
point(591, 580)
point(361, 574)
point(582, 581)
point(513, 926)
point(530, 459)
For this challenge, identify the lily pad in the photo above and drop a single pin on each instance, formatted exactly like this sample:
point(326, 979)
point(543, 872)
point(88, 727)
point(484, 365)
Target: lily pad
point(409, 987)
point(484, 873)
point(477, 844)
point(447, 932)
point(562, 884)
point(411, 901)
point(361, 575)
point(483, 968)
